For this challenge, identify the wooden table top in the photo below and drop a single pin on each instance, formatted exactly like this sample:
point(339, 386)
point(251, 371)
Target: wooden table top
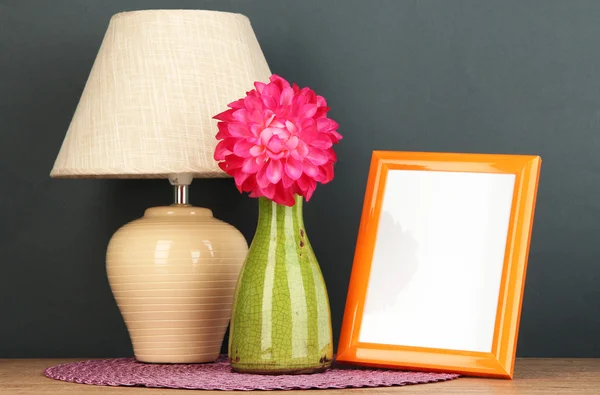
point(532, 376)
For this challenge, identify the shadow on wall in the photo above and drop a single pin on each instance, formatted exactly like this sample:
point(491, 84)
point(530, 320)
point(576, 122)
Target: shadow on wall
point(396, 257)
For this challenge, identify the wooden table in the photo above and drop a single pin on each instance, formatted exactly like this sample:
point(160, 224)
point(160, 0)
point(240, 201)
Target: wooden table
point(533, 376)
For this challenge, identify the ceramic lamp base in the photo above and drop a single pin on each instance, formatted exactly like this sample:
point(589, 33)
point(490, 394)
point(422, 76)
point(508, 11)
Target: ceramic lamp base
point(173, 274)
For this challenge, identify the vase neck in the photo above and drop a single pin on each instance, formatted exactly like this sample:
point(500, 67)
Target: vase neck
point(269, 213)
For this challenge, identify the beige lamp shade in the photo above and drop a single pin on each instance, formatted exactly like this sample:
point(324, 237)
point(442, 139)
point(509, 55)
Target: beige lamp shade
point(159, 78)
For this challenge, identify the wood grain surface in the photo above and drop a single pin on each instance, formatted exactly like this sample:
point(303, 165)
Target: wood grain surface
point(532, 376)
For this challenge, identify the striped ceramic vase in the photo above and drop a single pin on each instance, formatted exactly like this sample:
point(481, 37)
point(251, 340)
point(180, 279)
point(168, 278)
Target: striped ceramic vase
point(173, 274)
point(281, 323)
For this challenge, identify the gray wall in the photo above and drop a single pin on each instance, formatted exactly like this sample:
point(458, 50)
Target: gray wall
point(520, 77)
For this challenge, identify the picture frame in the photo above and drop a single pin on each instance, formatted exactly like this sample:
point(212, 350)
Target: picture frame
point(441, 256)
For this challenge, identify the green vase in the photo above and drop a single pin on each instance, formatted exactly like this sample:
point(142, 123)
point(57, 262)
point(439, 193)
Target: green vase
point(281, 322)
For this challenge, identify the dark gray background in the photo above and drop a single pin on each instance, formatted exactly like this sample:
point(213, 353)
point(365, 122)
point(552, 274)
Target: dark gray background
point(517, 77)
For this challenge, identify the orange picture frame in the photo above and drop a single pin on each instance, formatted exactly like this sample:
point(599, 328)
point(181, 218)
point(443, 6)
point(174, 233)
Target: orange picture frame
point(500, 361)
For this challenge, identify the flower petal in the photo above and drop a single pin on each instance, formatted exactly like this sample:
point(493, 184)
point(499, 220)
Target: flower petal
point(301, 151)
point(292, 143)
point(287, 94)
point(261, 177)
point(293, 168)
point(268, 191)
point(308, 110)
point(256, 116)
point(311, 96)
point(223, 149)
point(332, 155)
point(252, 165)
point(284, 196)
point(259, 86)
point(326, 125)
point(236, 104)
point(276, 156)
point(321, 112)
point(249, 185)
point(241, 115)
point(257, 150)
point(273, 91)
point(242, 148)
point(239, 179)
point(225, 116)
point(256, 129)
point(266, 135)
point(223, 166)
point(335, 136)
point(275, 145)
point(310, 191)
point(279, 81)
point(223, 131)
point(283, 133)
point(276, 124)
point(274, 171)
point(291, 127)
point(269, 102)
point(306, 187)
point(238, 129)
point(310, 169)
point(323, 142)
point(316, 155)
point(231, 164)
point(308, 134)
point(253, 103)
point(269, 118)
point(327, 168)
point(286, 181)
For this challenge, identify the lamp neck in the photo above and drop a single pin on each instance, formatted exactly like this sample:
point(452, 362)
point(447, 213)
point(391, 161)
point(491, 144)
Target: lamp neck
point(181, 195)
point(181, 185)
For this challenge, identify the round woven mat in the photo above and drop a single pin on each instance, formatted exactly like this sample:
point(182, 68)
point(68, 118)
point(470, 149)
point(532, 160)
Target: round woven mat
point(218, 376)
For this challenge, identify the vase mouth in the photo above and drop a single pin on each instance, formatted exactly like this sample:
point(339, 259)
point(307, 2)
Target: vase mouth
point(178, 211)
point(298, 199)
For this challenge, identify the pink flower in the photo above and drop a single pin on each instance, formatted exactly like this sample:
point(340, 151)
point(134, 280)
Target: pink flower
point(277, 141)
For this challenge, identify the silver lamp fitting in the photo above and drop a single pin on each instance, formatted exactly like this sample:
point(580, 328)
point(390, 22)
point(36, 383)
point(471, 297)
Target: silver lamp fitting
point(181, 184)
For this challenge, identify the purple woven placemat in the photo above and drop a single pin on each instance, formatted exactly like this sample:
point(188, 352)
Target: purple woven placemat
point(218, 376)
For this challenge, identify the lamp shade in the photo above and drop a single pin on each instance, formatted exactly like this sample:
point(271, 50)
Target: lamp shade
point(159, 78)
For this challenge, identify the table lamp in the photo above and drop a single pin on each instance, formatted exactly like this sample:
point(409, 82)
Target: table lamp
point(146, 112)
